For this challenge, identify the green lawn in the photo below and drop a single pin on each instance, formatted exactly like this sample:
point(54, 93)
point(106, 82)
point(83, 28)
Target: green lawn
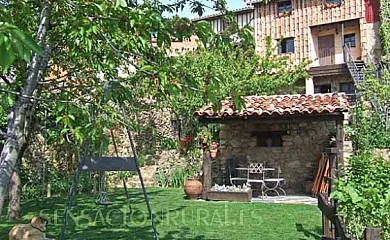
point(176, 218)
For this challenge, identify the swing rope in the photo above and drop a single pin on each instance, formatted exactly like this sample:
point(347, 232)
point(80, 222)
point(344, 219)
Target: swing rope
point(73, 189)
point(133, 149)
point(102, 198)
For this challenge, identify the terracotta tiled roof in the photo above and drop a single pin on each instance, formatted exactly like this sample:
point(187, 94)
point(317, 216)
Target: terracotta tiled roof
point(211, 16)
point(281, 105)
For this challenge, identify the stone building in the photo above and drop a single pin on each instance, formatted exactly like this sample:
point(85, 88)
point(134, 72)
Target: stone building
point(339, 37)
point(243, 16)
point(289, 132)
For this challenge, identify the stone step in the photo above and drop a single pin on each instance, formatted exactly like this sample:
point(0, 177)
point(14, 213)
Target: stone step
point(137, 184)
point(148, 175)
point(146, 179)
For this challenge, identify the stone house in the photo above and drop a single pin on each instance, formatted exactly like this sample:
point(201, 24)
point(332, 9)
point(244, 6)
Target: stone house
point(243, 16)
point(339, 37)
point(284, 131)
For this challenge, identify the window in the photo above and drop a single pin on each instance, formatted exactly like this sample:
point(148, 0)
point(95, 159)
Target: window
point(269, 139)
point(284, 7)
point(350, 40)
point(326, 88)
point(348, 88)
point(286, 46)
point(223, 25)
point(331, 3)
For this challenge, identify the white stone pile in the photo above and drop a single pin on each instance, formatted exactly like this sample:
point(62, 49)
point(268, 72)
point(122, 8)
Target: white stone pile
point(224, 188)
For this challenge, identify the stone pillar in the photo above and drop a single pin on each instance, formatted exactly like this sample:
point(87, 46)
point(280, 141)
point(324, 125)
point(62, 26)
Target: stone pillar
point(309, 86)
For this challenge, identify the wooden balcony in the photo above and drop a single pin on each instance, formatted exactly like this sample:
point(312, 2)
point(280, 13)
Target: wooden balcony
point(329, 70)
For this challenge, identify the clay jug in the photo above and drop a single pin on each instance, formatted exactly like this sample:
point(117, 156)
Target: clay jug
point(193, 188)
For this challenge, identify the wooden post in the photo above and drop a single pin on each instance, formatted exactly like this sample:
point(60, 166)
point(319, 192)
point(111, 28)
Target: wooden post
point(339, 144)
point(372, 234)
point(338, 228)
point(325, 226)
point(206, 173)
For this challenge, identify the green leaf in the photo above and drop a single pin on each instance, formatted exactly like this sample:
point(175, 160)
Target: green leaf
point(120, 3)
point(27, 40)
point(18, 47)
point(132, 23)
point(7, 55)
point(59, 119)
point(147, 68)
point(72, 117)
point(353, 194)
point(10, 101)
point(60, 108)
point(99, 7)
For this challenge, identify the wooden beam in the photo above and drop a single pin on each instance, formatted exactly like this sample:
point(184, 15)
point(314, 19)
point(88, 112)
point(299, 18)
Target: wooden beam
point(206, 173)
point(339, 144)
point(273, 118)
point(327, 210)
point(328, 70)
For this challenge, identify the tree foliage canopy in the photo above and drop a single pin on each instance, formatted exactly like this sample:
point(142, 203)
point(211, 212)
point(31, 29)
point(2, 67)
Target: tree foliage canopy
point(108, 58)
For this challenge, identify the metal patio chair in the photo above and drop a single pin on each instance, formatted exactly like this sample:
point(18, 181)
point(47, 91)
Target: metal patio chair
point(256, 175)
point(232, 164)
point(276, 184)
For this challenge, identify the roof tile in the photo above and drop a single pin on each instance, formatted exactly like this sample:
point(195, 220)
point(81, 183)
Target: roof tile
point(281, 105)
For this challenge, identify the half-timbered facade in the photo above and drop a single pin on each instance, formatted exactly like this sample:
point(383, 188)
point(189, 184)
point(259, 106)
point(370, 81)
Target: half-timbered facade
point(329, 33)
point(243, 17)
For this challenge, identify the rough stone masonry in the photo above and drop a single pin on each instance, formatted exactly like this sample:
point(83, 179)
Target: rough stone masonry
point(298, 155)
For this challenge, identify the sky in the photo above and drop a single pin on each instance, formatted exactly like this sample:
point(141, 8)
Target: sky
point(232, 4)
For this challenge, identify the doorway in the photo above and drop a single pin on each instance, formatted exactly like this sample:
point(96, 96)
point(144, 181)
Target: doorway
point(326, 51)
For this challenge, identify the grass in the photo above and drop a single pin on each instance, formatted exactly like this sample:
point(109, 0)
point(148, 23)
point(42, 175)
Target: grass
point(176, 218)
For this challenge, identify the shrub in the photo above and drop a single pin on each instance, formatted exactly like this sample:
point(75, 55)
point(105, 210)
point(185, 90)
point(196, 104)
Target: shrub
point(363, 194)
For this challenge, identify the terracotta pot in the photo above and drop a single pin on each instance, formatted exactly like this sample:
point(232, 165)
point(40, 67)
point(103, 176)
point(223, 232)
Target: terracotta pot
point(193, 188)
point(213, 153)
point(183, 143)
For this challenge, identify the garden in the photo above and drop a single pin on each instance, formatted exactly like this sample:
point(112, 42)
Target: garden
point(176, 218)
point(82, 78)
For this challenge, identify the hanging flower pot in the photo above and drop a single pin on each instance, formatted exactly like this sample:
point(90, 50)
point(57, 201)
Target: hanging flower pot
point(213, 149)
point(213, 153)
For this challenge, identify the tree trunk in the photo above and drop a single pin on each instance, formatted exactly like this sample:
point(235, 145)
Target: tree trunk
point(15, 185)
point(14, 196)
point(16, 119)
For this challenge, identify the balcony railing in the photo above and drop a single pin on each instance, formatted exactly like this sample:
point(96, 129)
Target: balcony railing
point(326, 56)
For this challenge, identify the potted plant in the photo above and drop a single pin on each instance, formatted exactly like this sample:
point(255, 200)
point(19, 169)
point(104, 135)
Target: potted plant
point(193, 186)
point(213, 149)
point(204, 136)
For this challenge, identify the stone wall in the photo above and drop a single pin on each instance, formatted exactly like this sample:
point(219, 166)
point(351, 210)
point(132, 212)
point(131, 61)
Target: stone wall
point(298, 158)
point(155, 125)
point(334, 81)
